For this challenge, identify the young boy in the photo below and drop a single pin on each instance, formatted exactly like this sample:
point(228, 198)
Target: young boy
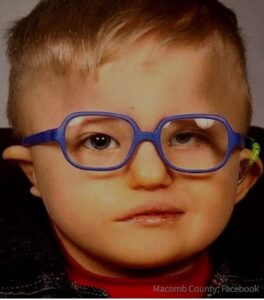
point(132, 116)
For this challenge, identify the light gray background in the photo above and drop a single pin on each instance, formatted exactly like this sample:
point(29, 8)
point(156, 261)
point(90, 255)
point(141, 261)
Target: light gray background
point(250, 16)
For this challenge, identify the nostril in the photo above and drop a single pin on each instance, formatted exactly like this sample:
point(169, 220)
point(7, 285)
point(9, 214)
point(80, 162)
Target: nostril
point(146, 182)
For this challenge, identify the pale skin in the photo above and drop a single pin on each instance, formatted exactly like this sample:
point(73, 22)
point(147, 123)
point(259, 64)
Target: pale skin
point(148, 84)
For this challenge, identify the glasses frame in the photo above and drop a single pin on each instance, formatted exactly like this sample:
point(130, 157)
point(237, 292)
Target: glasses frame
point(57, 135)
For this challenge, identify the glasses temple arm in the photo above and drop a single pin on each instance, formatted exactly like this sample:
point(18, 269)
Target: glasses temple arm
point(40, 138)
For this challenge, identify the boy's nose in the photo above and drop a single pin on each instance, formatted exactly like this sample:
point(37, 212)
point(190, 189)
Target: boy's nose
point(147, 170)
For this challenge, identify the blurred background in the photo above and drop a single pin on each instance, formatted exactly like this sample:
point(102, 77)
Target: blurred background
point(250, 16)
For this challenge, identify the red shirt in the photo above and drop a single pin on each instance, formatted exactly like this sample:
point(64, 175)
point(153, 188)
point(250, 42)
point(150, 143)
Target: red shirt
point(188, 284)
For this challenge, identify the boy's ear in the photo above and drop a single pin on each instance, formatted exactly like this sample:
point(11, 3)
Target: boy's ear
point(22, 155)
point(248, 175)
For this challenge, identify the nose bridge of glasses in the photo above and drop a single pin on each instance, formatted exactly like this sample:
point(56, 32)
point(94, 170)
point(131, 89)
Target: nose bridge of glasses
point(147, 136)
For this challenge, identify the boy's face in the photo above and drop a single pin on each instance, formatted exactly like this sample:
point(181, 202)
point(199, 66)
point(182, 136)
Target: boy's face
point(88, 209)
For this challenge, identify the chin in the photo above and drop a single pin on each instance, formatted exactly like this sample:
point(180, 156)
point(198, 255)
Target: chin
point(147, 259)
point(147, 266)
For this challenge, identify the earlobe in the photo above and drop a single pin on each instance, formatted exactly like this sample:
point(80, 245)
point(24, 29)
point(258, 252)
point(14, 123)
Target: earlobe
point(248, 175)
point(22, 155)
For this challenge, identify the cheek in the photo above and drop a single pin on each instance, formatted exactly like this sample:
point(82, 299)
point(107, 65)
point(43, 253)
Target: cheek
point(81, 208)
point(75, 209)
point(66, 191)
point(215, 201)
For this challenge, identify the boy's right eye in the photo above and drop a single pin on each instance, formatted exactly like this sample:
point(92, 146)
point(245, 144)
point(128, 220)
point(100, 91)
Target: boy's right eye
point(99, 141)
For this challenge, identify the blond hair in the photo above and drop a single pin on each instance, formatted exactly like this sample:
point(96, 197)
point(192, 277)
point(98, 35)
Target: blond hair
point(59, 34)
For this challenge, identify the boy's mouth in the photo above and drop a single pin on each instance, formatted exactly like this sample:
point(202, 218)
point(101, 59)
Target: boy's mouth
point(152, 215)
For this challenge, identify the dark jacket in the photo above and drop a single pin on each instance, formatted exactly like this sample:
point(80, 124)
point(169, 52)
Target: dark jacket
point(31, 264)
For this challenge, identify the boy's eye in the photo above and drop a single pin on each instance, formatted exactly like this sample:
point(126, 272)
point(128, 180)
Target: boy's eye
point(186, 138)
point(99, 141)
point(181, 138)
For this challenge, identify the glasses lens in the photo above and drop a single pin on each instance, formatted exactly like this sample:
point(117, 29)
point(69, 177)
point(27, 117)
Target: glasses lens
point(195, 144)
point(98, 141)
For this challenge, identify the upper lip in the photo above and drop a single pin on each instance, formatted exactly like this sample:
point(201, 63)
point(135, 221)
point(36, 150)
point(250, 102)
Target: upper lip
point(150, 210)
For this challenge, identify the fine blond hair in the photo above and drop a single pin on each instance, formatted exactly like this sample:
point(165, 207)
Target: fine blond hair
point(60, 34)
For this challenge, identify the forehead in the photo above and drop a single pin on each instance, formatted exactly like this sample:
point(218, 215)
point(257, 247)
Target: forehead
point(176, 69)
point(144, 78)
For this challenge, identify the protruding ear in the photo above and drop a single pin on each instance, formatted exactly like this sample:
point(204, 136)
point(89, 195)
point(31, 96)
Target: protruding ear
point(23, 156)
point(248, 175)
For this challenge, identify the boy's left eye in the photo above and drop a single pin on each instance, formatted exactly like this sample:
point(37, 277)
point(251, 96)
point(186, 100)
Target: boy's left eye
point(186, 138)
point(99, 141)
point(181, 138)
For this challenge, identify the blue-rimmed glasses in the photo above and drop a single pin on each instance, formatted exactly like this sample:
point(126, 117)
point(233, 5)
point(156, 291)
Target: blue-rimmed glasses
point(105, 141)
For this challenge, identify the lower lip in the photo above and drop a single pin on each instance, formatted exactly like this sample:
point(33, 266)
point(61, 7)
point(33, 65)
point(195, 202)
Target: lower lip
point(155, 220)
